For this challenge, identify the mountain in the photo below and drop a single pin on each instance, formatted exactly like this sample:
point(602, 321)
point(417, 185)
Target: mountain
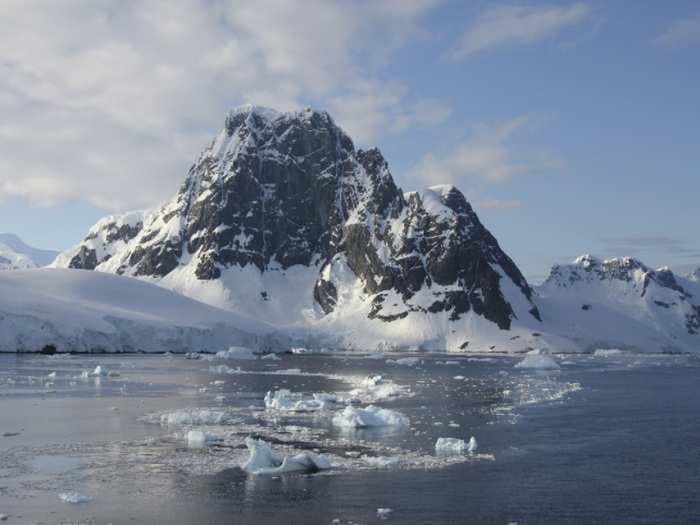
point(283, 219)
point(621, 303)
point(12, 248)
point(695, 276)
point(11, 260)
point(94, 311)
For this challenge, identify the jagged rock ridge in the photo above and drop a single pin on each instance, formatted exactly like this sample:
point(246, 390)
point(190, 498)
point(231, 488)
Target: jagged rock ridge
point(279, 192)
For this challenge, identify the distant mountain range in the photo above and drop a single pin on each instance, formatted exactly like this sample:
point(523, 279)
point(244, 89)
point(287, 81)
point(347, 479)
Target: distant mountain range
point(17, 255)
point(282, 219)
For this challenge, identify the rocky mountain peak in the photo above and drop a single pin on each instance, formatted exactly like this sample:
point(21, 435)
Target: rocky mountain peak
point(288, 192)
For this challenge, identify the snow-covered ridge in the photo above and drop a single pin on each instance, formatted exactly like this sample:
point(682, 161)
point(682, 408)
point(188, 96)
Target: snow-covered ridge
point(15, 254)
point(283, 219)
point(74, 310)
point(621, 302)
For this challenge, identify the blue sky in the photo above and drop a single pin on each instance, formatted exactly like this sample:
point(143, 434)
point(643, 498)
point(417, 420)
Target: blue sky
point(573, 127)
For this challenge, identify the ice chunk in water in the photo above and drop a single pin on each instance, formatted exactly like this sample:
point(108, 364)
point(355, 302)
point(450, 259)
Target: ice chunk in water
point(264, 460)
point(455, 446)
point(99, 371)
point(192, 417)
point(372, 416)
point(383, 514)
point(73, 497)
point(236, 352)
point(199, 439)
point(538, 359)
point(607, 352)
point(287, 401)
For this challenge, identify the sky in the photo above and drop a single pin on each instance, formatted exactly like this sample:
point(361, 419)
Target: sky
point(572, 127)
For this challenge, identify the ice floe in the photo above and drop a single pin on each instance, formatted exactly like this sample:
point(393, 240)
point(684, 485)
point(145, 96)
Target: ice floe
point(265, 461)
point(371, 416)
point(285, 400)
point(193, 417)
point(538, 359)
point(240, 353)
point(73, 497)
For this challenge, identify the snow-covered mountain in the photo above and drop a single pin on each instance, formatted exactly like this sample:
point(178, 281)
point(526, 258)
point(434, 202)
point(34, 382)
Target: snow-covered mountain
point(621, 303)
point(11, 260)
point(695, 276)
point(16, 254)
point(283, 219)
point(94, 311)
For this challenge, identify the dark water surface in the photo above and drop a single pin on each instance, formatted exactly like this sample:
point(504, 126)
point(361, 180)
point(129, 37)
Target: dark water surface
point(603, 440)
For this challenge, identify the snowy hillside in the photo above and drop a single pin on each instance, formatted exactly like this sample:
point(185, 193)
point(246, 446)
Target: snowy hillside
point(281, 218)
point(10, 243)
point(621, 303)
point(11, 260)
point(91, 311)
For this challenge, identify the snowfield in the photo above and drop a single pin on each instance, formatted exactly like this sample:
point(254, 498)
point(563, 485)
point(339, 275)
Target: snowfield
point(74, 310)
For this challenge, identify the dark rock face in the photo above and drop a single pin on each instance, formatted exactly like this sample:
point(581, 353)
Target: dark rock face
point(279, 190)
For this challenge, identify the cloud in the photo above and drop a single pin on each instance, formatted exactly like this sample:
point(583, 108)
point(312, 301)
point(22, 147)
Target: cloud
point(485, 155)
point(509, 25)
point(110, 101)
point(681, 33)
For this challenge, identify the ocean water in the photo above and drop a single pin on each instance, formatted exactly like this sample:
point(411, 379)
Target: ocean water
point(604, 439)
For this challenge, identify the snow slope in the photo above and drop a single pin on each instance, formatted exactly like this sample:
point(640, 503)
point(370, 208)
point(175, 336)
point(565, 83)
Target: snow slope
point(621, 303)
point(37, 256)
point(77, 310)
point(11, 260)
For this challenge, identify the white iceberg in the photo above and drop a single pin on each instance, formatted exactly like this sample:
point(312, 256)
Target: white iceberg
point(383, 514)
point(287, 401)
point(454, 446)
point(406, 361)
point(99, 371)
point(265, 461)
point(271, 357)
point(538, 359)
point(73, 497)
point(607, 352)
point(240, 353)
point(192, 417)
point(199, 439)
point(372, 416)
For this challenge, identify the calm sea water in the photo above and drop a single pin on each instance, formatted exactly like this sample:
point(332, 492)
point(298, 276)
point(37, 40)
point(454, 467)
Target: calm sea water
point(602, 440)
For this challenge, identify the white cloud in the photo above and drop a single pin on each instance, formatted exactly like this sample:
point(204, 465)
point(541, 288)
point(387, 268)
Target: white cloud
point(110, 101)
point(681, 33)
point(506, 25)
point(485, 155)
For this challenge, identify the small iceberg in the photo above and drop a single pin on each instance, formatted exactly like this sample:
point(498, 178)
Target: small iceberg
point(287, 401)
point(240, 353)
point(405, 361)
point(265, 461)
point(607, 352)
point(454, 446)
point(73, 498)
point(372, 416)
point(538, 359)
point(192, 417)
point(199, 439)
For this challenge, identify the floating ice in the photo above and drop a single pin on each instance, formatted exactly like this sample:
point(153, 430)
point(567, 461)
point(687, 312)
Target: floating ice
point(192, 417)
point(236, 352)
point(382, 461)
point(99, 371)
point(376, 388)
point(406, 361)
point(287, 401)
point(301, 351)
point(271, 357)
point(199, 439)
point(264, 460)
point(607, 352)
point(538, 359)
point(372, 416)
point(383, 514)
point(73, 497)
point(454, 446)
